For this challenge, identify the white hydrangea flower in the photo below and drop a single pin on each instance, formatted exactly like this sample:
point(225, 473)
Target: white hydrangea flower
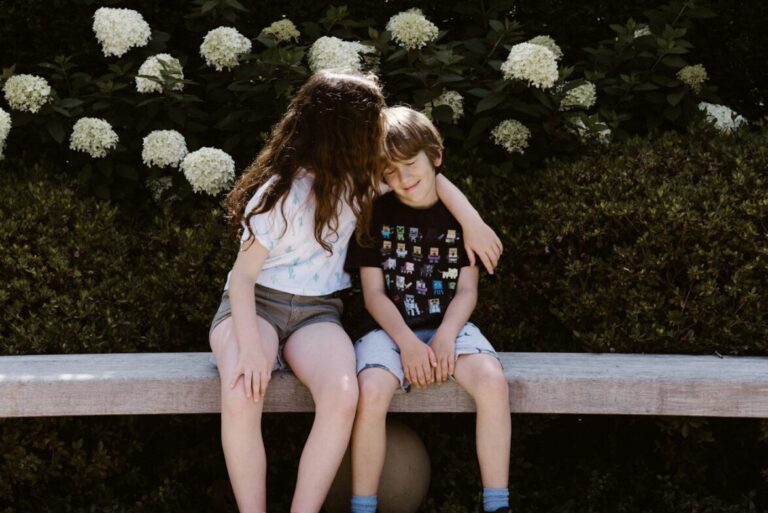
point(450, 98)
point(535, 64)
point(119, 30)
point(222, 46)
point(580, 97)
point(411, 29)
point(163, 148)
point(27, 93)
point(209, 170)
point(511, 135)
point(724, 119)
point(157, 186)
point(548, 43)
point(332, 53)
point(5, 128)
point(693, 76)
point(153, 67)
point(642, 31)
point(283, 30)
point(93, 136)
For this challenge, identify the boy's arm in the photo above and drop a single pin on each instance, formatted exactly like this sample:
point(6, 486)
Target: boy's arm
point(456, 316)
point(252, 364)
point(478, 237)
point(417, 357)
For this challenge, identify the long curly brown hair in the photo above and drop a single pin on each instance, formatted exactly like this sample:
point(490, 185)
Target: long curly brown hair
point(334, 129)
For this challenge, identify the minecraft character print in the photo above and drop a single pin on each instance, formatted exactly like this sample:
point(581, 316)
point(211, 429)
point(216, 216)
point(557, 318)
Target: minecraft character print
point(407, 268)
point(400, 233)
point(434, 255)
point(411, 308)
point(401, 252)
point(413, 234)
point(421, 287)
point(427, 270)
point(416, 254)
point(437, 287)
point(386, 248)
point(451, 274)
point(386, 232)
point(434, 306)
point(453, 255)
point(400, 282)
point(450, 236)
point(389, 264)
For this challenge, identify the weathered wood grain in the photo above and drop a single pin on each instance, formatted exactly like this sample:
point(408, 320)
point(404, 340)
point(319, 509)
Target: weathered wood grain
point(579, 383)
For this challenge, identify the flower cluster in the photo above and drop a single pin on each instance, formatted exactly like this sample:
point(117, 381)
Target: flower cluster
point(163, 148)
point(283, 30)
point(5, 128)
point(119, 30)
point(411, 30)
point(645, 30)
point(209, 170)
point(511, 135)
point(332, 53)
point(450, 98)
point(154, 67)
point(222, 46)
point(27, 92)
point(693, 76)
point(580, 97)
point(93, 136)
point(724, 119)
point(533, 63)
point(548, 43)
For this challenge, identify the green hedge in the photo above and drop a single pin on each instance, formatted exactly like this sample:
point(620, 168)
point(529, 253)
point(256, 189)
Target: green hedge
point(82, 276)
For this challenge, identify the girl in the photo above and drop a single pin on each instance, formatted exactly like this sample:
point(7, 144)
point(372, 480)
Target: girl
point(298, 204)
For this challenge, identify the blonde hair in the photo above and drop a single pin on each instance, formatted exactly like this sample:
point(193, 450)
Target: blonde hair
point(408, 132)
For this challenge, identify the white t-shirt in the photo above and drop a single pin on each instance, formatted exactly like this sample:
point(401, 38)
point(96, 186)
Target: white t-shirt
point(297, 263)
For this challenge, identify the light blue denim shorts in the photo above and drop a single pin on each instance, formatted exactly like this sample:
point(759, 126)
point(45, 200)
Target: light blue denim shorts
point(377, 349)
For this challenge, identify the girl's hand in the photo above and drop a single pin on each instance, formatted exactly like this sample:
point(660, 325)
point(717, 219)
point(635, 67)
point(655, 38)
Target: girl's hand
point(445, 350)
point(480, 239)
point(418, 363)
point(256, 372)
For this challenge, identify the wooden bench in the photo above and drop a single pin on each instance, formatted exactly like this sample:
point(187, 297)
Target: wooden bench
point(576, 383)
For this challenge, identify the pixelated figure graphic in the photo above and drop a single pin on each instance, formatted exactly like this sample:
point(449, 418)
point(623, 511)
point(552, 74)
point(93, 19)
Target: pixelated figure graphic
point(450, 236)
point(413, 234)
point(401, 252)
point(401, 233)
point(388, 281)
point(416, 254)
point(411, 308)
point(434, 306)
point(451, 274)
point(421, 287)
point(451, 285)
point(385, 231)
point(389, 264)
point(407, 268)
point(437, 287)
point(453, 255)
point(426, 270)
point(386, 247)
point(400, 282)
point(434, 255)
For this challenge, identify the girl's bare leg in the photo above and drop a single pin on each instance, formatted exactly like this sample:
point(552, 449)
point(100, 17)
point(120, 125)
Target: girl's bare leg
point(323, 358)
point(241, 419)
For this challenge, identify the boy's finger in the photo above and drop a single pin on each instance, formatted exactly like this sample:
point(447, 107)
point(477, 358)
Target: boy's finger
point(420, 379)
point(451, 366)
point(446, 369)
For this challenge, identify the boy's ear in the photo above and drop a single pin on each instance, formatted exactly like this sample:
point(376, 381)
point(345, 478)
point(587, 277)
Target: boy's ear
point(438, 160)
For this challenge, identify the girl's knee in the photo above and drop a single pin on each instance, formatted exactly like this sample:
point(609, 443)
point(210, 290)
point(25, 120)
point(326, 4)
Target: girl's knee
point(235, 404)
point(339, 396)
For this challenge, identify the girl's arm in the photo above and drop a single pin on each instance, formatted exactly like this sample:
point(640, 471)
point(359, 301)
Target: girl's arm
point(479, 238)
point(418, 358)
point(456, 316)
point(252, 364)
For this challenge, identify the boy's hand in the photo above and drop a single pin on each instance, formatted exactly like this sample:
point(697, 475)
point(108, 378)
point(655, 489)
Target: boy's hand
point(480, 239)
point(445, 350)
point(419, 363)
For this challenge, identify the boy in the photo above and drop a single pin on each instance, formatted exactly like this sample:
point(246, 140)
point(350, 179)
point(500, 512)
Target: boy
point(420, 289)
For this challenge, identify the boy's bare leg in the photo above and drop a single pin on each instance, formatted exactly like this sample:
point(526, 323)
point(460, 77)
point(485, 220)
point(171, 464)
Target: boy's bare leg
point(369, 436)
point(241, 419)
point(323, 358)
point(482, 377)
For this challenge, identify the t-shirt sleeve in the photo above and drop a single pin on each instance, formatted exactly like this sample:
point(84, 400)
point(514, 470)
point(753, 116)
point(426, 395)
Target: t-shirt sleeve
point(266, 227)
point(365, 256)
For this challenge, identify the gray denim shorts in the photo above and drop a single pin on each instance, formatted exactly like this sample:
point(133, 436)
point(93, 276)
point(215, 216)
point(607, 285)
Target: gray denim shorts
point(286, 312)
point(377, 349)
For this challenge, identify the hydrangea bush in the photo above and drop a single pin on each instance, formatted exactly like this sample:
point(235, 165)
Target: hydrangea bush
point(503, 97)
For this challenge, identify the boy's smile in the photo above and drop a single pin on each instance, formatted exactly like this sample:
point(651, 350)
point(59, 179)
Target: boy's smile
point(413, 180)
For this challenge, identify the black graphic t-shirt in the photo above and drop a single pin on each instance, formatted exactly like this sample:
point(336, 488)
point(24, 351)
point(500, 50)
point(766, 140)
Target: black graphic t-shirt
point(421, 252)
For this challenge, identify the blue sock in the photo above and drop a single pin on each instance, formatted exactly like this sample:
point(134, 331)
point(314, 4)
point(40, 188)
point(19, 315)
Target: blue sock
point(495, 498)
point(364, 503)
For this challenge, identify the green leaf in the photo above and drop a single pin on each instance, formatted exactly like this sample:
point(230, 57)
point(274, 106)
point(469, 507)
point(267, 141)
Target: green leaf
point(56, 129)
point(492, 100)
point(674, 61)
point(208, 6)
point(674, 97)
point(236, 5)
point(496, 25)
point(69, 103)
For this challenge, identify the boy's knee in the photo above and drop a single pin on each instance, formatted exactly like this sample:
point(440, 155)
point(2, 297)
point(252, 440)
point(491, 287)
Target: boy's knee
point(376, 390)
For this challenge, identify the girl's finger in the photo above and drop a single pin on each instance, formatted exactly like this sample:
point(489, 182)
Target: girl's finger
point(487, 263)
point(263, 383)
point(248, 383)
point(235, 375)
point(470, 254)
